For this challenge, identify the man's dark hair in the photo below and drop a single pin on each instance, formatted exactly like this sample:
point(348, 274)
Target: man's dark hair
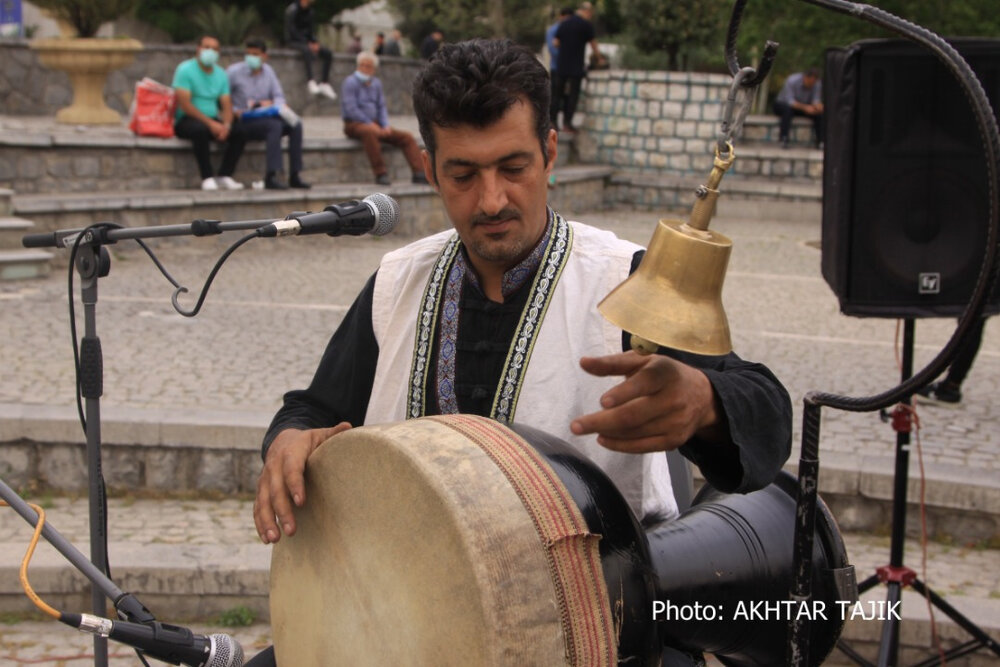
point(812, 72)
point(255, 43)
point(567, 11)
point(475, 83)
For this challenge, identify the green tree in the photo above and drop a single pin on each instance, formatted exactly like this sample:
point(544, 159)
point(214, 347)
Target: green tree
point(87, 16)
point(174, 16)
point(806, 31)
point(524, 21)
point(679, 30)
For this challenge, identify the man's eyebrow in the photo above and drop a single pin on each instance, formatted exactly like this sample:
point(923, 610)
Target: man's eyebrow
point(461, 162)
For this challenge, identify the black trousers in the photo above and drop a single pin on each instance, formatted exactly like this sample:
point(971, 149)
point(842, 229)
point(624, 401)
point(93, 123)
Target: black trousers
point(565, 95)
point(325, 58)
point(785, 112)
point(188, 127)
point(271, 130)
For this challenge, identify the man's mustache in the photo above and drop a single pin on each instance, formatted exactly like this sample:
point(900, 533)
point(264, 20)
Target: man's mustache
point(503, 214)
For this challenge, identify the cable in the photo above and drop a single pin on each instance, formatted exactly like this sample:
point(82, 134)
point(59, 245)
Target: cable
point(23, 574)
point(208, 283)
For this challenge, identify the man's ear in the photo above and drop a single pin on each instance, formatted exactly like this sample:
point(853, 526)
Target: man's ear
point(428, 161)
point(552, 149)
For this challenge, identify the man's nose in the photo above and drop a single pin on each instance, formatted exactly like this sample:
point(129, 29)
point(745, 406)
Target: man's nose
point(493, 197)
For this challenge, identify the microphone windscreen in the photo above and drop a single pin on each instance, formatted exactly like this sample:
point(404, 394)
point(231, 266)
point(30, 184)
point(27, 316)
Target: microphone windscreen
point(387, 213)
point(226, 652)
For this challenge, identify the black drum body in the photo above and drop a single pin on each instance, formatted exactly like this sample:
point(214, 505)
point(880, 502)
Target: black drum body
point(715, 580)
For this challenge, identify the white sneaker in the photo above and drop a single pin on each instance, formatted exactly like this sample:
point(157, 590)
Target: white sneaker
point(228, 184)
point(209, 184)
point(313, 87)
point(326, 90)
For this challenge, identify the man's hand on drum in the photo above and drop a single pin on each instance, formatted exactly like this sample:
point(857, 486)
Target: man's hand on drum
point(659, 405)
point(282, 482)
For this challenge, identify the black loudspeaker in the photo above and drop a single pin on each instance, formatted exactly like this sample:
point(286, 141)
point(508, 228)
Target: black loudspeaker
point(905, 207)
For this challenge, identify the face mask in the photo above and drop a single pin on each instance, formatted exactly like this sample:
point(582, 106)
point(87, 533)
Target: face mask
point(253, 62)
point(208, 57)
point(364, 77)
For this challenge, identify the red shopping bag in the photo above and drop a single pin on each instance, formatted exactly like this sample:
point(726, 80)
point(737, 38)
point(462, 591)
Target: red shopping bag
point(152, 113)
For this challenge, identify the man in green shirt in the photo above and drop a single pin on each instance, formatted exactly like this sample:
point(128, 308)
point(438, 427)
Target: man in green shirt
point(205, 113)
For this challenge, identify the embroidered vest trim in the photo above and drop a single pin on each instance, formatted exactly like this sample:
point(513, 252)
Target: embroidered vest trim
point(522, 344)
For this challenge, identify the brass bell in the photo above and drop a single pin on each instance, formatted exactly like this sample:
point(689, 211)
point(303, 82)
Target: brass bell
point(674, 298)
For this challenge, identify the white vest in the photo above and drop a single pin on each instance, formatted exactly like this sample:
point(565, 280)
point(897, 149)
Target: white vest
point(555, 389)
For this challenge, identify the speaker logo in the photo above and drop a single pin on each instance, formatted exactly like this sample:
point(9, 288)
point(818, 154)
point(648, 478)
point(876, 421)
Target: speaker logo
point(930, 283)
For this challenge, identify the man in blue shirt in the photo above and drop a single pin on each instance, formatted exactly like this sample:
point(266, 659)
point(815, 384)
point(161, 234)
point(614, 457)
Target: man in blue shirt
point(205, 113)
point(802, 95)
point(259, 106)
point(362, 106)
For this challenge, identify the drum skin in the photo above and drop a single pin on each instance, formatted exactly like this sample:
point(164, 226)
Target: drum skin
point(414, 548)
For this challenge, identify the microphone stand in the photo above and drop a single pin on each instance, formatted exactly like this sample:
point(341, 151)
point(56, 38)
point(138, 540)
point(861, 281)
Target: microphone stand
point(92, 263)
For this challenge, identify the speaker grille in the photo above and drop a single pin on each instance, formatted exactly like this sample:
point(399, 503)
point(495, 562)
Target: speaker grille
point(905, 193)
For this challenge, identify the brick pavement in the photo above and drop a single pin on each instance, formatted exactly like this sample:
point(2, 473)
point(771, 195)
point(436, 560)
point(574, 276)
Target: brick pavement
point(280, 299)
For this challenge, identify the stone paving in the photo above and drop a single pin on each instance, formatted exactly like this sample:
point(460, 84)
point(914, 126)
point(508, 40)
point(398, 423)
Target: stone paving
point(967, 576)
point(278, 300)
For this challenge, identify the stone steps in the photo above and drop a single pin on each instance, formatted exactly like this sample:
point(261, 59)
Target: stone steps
point(17, 262)
point(579, 188)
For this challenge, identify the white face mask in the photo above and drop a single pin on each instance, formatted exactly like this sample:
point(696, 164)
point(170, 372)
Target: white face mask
point(208, 57)
point(365, 78)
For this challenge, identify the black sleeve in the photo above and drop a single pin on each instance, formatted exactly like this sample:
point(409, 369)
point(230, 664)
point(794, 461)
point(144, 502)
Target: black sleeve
point(342, 385)
point(758, 412)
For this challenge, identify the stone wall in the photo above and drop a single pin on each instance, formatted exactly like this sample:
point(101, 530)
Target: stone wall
point(664, 122)
point(27, 88)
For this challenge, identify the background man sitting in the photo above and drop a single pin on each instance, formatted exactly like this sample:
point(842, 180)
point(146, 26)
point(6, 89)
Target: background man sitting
point(205, 112)
point(259, 106)
point(299, 34)
point(362, 106)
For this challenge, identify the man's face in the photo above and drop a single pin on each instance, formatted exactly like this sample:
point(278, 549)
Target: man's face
point(254, 51)
point(367, 67)
point(494, 185)
point(808, 80)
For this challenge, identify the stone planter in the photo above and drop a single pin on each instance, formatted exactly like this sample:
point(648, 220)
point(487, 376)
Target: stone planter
point(87, 61)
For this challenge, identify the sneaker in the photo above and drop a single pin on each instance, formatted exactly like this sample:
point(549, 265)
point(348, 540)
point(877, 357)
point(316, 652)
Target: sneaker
point(313, 87)
point(209, 184)
point(326, 90)
point(382, 179)
point(227, 183)
point(419, 178)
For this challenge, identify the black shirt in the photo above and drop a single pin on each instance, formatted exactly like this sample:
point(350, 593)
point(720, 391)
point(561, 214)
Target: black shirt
point(755, 404)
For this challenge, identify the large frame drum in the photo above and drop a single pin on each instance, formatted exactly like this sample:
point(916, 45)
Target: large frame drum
point(455, 540)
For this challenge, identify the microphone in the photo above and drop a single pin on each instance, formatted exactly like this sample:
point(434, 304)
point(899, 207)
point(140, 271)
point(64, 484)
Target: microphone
point(169, 643)
point(377, 213)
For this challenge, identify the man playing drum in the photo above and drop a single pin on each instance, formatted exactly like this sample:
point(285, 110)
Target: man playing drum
point(499, 318)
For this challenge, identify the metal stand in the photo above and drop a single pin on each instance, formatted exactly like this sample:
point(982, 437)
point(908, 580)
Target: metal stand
point(92, 263)
point(895, 575)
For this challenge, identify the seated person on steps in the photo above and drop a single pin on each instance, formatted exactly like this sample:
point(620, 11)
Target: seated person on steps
point(801, 95)
point(362, 106)
point(300, 35)
point(205, 113)
point(260, 110)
